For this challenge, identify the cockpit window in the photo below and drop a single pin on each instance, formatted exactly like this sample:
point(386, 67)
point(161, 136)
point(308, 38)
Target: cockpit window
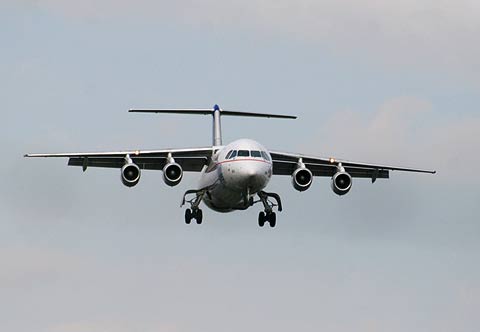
point(256, 154)
point(233, 155)
point(229, 154)
point(243, 153)
point(265, 156)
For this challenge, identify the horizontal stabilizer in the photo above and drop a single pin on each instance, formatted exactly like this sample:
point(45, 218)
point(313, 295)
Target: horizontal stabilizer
point(258, 115)
point(217, 113)
point(205, 111)
point(199, 111)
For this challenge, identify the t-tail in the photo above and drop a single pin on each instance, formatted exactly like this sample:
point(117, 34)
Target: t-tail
point(216, 113)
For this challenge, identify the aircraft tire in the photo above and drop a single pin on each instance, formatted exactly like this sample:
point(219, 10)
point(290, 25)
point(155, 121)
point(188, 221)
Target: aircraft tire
point(199, 216)
point(188, 216)
point(272, 219)
point(261, 219)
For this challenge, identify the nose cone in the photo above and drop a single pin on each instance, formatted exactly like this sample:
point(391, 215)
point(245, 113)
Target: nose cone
point(254, 177)
point(250, 172)
point(246, 174)
point(253, 180)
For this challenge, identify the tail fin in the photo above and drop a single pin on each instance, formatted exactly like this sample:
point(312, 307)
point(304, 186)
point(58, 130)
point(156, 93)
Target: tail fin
point(217, 112)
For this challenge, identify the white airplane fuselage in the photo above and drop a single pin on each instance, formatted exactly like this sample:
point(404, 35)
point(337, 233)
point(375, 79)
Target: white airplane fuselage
point(232, 181)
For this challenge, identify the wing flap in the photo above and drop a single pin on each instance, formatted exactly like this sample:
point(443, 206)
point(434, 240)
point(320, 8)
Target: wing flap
point(188, 164)
point(96, 162)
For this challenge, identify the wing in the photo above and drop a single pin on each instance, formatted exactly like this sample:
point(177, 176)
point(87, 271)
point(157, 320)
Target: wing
point(285, 163)
point(190, 159)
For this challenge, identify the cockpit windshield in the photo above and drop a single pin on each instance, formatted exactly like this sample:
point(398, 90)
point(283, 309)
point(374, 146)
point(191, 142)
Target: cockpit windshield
point(231, 154)
point(243, 153)
point(265, 155)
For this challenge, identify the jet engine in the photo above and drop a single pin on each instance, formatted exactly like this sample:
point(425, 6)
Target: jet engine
point(302, 178)
point(172, 174)
point(341, 183)
point(130, 174)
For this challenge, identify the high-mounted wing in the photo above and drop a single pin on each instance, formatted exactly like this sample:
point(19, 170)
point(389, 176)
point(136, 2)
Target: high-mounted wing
point(285, 163)
point(190, 159)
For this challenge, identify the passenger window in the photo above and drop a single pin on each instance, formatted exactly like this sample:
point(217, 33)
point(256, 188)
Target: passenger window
point(243, 153)
point(256, 154)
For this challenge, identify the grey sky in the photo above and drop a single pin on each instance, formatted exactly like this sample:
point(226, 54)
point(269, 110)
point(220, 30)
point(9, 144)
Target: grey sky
point(390, 83)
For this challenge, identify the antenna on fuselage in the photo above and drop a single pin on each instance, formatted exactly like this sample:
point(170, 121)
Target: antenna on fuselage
point(217, 113)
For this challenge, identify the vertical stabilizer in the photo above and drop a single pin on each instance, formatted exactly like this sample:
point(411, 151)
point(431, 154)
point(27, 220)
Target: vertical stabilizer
point(217, 126)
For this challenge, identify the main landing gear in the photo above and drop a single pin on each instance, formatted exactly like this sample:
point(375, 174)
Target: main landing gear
point(268, 215)
point(194, 212)
point(269, 201)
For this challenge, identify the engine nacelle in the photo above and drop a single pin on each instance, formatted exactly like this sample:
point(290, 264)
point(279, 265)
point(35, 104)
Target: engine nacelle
point(172, 174)
point(130, 174)
point(341, 183)
point(302, 179)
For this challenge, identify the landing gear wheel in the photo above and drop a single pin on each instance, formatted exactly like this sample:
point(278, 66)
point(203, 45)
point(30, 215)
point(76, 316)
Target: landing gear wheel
point(188, 216)
point(261, 219)
point(272, 218)
point(199, 216)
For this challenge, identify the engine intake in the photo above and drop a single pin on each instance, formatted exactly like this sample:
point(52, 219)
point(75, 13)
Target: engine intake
point(302, 179)
point(172, 174)
point(130, 174)
point(341, 183)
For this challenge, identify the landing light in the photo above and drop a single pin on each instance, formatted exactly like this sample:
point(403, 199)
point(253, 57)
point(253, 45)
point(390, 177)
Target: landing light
point(332, 160)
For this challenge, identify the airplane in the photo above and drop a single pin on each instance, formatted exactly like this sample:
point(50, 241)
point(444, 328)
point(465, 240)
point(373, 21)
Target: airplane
point(233, 176)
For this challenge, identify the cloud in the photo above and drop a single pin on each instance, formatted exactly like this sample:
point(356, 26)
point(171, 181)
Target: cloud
point(117, 326)
point(436, 35)
point(25, 267)
point(405, 131)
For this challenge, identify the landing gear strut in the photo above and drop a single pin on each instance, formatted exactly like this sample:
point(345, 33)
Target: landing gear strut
point(194, 212)
point(268, 215)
